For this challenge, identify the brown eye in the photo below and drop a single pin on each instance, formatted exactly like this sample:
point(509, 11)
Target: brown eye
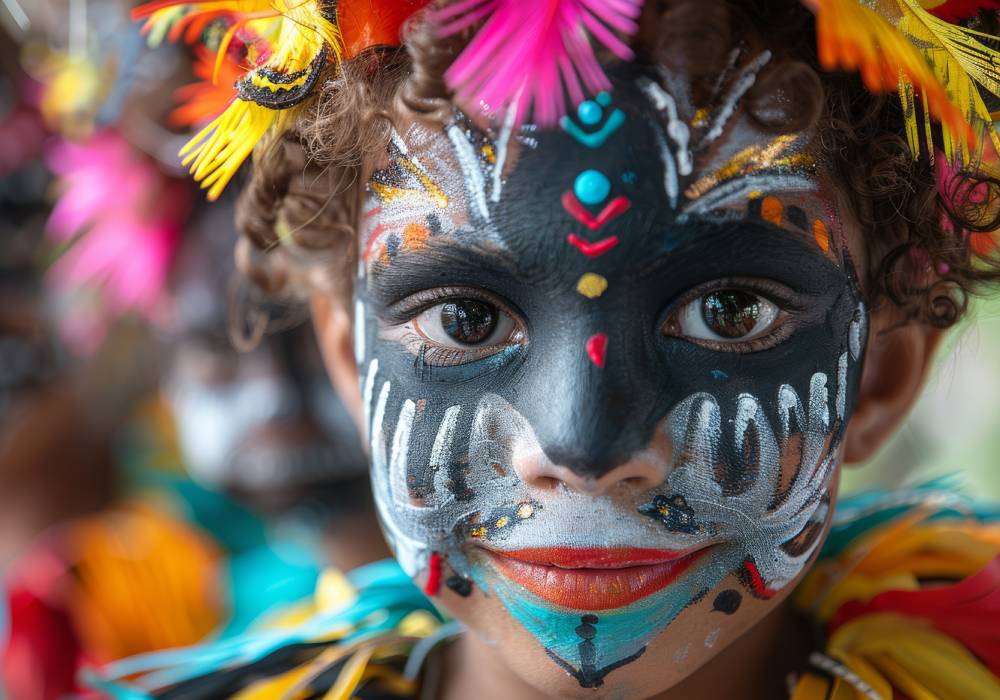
point(724, 317)
point(465, 323)
point(731, 313)
point(468, 321)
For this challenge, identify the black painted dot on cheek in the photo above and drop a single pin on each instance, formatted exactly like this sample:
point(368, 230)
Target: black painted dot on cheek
point(727, 602)
point(461, 586)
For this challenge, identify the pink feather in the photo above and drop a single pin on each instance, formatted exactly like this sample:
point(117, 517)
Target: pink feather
point(533, 53)
point(128, 217)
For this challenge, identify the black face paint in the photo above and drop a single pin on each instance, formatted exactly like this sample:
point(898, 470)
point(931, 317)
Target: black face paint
point(727, 602)
point(598, 252)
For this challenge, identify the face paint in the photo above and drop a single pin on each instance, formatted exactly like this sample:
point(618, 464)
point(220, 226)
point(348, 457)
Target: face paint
point(264, 425)
point(610, 246)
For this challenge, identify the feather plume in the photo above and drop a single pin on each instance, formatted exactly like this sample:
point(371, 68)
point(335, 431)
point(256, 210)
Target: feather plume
point(203, 101)
point(962, 63)
point(852, 36)
point(899, 45)
point(532, 54)
point(285, 45)
point(366, 23)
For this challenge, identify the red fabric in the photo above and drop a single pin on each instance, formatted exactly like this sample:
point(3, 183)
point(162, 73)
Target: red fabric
point(42, 651)
point(967, 611)
point(957, 10)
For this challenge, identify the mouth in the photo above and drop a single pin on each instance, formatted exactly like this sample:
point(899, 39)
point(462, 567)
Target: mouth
point(593, 578)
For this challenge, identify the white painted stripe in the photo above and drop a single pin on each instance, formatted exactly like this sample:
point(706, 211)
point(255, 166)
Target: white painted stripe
point(470, 168)
point(367, 396)
point(746, 79)
point(359, 331)
point(501, 155)
point(842, 386)
point(378, 431)
point(441, 451)
point(400, 451)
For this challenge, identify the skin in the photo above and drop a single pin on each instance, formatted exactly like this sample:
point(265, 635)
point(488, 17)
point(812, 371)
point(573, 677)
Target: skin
point(600, 417)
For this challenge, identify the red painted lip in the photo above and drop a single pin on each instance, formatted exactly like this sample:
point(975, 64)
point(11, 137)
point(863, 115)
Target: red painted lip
point(593, 578)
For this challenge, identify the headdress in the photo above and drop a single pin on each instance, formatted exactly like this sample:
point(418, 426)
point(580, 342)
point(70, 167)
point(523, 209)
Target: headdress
point(532, 56)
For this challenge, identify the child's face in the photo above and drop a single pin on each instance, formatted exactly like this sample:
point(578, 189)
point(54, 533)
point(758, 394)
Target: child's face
point(606, 372)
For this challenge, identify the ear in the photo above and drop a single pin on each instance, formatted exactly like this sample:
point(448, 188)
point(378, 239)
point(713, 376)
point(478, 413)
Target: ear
point(334, 328)
point(896, 365)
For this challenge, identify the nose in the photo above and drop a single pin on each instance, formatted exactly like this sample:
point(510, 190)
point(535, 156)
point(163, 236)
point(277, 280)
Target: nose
point(643, 470)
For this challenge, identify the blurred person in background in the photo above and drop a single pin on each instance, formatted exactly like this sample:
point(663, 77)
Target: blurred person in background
point(262, 425)
point(105, 548)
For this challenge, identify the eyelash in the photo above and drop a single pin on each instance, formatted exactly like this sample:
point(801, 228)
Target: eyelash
point(789, 308)
point(431, 354)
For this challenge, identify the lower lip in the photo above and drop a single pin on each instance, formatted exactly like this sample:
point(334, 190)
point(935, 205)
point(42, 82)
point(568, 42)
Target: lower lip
point(593, 579)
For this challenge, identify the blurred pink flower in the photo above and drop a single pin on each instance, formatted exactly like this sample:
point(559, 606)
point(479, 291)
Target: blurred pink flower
point(121, 219)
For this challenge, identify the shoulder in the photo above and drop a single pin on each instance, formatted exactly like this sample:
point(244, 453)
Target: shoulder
point(907, 596)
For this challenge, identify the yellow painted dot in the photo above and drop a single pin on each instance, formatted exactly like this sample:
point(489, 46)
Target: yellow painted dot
point(821, 235)
point(663, 510)
point(502, 521)
point(700, 117)
point(771, 210)
point(755, 194)
point(478, 532)
point(490, 155)
point(591, 285)
point(525, 510)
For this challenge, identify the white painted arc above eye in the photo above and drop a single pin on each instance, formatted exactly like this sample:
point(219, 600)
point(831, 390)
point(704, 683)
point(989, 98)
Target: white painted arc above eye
point(692, 322)
point(429, 325)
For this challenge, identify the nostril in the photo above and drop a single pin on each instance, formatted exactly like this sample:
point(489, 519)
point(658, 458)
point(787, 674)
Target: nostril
point(547, 483)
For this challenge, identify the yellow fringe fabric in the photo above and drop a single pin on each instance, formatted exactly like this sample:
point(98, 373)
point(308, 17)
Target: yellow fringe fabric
point(887, 650)
point(217, 151)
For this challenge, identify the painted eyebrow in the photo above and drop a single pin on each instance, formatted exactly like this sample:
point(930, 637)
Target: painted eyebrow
point(447, 261)
point(730, 239)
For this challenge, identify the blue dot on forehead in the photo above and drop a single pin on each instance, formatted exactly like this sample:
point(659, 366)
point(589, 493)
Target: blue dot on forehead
point(591, 187)
point(589, 112)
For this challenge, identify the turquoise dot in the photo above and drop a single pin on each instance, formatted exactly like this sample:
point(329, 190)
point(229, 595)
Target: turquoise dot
point(589, 112)
point(591, 187)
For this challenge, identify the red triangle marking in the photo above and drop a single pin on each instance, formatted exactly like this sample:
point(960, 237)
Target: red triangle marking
point(613, 209)
point(595, 249)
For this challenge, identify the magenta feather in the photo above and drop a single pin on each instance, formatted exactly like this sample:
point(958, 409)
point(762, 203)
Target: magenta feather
point(533, 53)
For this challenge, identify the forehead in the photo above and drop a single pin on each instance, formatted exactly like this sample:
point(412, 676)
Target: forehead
point(638, 170)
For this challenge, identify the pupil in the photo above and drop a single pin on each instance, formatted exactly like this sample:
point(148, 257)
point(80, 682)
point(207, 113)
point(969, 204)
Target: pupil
point(730, 313)
point(468, 321)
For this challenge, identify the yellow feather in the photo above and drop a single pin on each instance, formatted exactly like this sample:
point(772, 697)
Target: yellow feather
point(811, 687)
point(960, 62)
point(352, 674)
point(853, 36)
point(918, 655)
point(294, 33)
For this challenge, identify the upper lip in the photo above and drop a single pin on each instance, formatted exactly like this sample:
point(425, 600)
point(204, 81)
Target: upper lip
point(593, 557)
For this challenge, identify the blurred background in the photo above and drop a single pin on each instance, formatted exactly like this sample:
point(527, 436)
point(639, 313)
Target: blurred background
point(157, 486)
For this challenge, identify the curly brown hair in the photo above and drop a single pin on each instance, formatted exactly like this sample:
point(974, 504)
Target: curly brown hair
point(924, 247)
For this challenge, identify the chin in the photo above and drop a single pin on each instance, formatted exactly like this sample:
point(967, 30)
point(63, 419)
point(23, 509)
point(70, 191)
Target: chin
point(673, 654)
